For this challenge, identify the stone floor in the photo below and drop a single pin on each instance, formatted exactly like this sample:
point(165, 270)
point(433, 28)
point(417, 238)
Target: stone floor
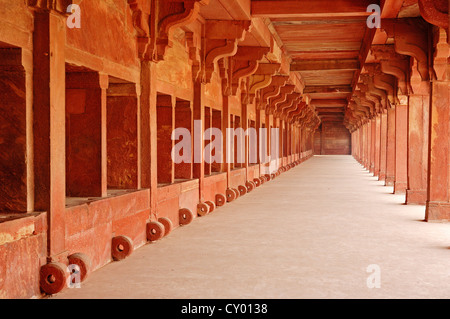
point(313, 232)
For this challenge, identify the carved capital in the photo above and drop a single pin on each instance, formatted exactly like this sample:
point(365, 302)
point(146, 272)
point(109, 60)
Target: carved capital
point(226, 76)
point(140, 20)
point(441, 54)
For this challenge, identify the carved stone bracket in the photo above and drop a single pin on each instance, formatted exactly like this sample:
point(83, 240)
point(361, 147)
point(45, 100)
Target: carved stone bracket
point(278, 81)
point(393, 64)
point(299, 108)
point(383, 81)
point(360, 99)
point(370, 97)
point(165, 16)
point(380, 94)
point(221, 40)
point(262, 78)
point(245, 63)
point(282, 96)
point(411, 38)
point(291, 102)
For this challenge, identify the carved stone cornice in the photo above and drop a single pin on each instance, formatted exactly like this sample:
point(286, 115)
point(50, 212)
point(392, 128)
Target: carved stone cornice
point(435, 12)
point(59, 6)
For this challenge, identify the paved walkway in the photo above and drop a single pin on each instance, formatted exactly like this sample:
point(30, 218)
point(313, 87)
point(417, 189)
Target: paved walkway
point(311, 233)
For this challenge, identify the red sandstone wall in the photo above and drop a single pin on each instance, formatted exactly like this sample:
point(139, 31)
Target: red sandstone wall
point(334, 139)
point(106, 32)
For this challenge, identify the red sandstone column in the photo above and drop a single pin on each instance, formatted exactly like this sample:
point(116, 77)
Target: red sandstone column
point(365, 144)
point(226, 167)
point(383, 145)
point(390, 148)
point(358, 144)
point(377, 145)
point(149, 133)
point(401, 148)
point(260, 138)
point(438, 201)
point(245, 139)
point(369, 145)
point(353, 144)
point(49, 123)
point(373, 138)
point(199, 115)
point(418, 117)
point(361, 144)
point(208, 125)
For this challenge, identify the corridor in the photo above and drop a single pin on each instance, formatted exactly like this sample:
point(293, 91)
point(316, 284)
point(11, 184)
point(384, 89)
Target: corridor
point(311, 233)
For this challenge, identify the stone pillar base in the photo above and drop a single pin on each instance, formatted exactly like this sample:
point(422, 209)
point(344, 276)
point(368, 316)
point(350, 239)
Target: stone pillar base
point(437, 212)
point(417, 197)
point(389, 181)
point(400, 188)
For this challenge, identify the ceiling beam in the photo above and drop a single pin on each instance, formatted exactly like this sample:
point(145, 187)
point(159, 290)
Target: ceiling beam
point(329, 103)
point(327, 89)
point(321, 110)
point(325, 65)
point(308, 8)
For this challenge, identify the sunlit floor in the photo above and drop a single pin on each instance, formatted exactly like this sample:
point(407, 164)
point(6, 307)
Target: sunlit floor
point(325, 229)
